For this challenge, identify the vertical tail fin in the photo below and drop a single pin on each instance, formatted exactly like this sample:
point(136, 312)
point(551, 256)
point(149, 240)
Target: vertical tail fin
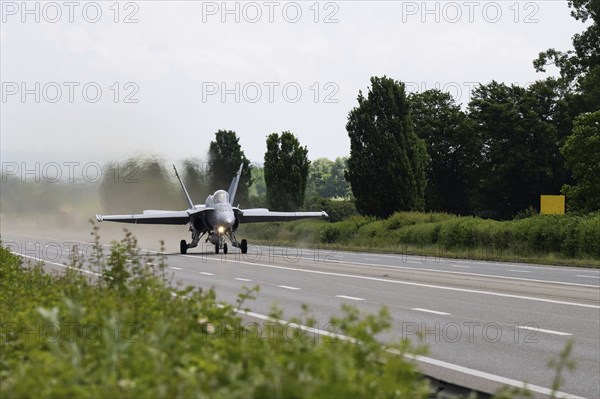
point(234, 184)
point(187, 196)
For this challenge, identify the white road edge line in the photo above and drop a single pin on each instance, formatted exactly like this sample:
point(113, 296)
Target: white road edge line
point(175, 268)
point(519, 271)
point(583, 305)
point(542, 330)
point(350, 297)
point(581, 275)
point(207, 273)
point(430, 311)
point(287, 287)
point(423, 359)
point(57, 264)
point(242, 279)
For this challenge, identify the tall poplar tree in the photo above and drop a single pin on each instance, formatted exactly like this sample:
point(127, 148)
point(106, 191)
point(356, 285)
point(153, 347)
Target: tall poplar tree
point(286, 169)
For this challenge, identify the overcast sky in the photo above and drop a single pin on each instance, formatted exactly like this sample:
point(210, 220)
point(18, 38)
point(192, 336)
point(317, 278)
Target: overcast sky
point(172, 73)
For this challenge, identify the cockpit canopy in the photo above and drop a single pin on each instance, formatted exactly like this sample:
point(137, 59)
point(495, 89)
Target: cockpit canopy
point(221, 197)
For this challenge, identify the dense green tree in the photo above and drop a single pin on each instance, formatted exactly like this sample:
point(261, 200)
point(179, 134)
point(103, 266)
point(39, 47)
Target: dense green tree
point(582, 156)
point(224, 158)
point(587, 96)
point(286, 170)
point(520, 157)
point(387, 164)
point(554, 107)
point(326, 179)
point(453, 148)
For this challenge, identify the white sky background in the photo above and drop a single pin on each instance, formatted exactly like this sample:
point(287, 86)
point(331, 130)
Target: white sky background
point(175, 52)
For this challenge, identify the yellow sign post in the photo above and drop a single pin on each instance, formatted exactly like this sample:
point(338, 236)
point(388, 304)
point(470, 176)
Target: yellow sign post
point(552, 204)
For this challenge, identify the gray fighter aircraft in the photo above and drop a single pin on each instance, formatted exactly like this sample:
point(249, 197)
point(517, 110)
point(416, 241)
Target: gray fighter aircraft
point(217, 217)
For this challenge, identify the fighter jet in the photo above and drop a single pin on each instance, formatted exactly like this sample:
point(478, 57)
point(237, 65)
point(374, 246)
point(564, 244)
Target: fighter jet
point(218, 217)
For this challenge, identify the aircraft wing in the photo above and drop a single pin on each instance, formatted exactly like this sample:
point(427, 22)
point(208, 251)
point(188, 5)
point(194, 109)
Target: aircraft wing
point(154, 217)
point(264, 215)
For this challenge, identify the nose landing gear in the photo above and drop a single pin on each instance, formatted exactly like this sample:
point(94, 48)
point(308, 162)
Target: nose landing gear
point(221, 244)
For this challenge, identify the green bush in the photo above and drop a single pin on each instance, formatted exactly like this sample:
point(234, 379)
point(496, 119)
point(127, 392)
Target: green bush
point(402, 219)
point(589, 236)
point(419, 234)
point(348, 229)
point(330, 234)
point(368, 231)
point(458, 233)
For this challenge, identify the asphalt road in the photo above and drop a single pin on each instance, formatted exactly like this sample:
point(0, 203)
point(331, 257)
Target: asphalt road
point(486, 324)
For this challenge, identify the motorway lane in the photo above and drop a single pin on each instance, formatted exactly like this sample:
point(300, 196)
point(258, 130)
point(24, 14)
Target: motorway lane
point(484, 318)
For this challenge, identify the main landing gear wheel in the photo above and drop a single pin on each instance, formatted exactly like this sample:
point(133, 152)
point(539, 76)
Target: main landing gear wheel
point(225, 248)
point(183, 247)
point(244, 246)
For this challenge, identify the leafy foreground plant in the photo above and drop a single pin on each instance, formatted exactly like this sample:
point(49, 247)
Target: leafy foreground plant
point(128, 333)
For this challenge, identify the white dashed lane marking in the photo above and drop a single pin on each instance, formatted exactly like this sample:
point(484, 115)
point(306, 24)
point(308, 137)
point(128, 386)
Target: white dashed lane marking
point(353, 298)
point(542, 330)
point(287, 287)
point(430, 311)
